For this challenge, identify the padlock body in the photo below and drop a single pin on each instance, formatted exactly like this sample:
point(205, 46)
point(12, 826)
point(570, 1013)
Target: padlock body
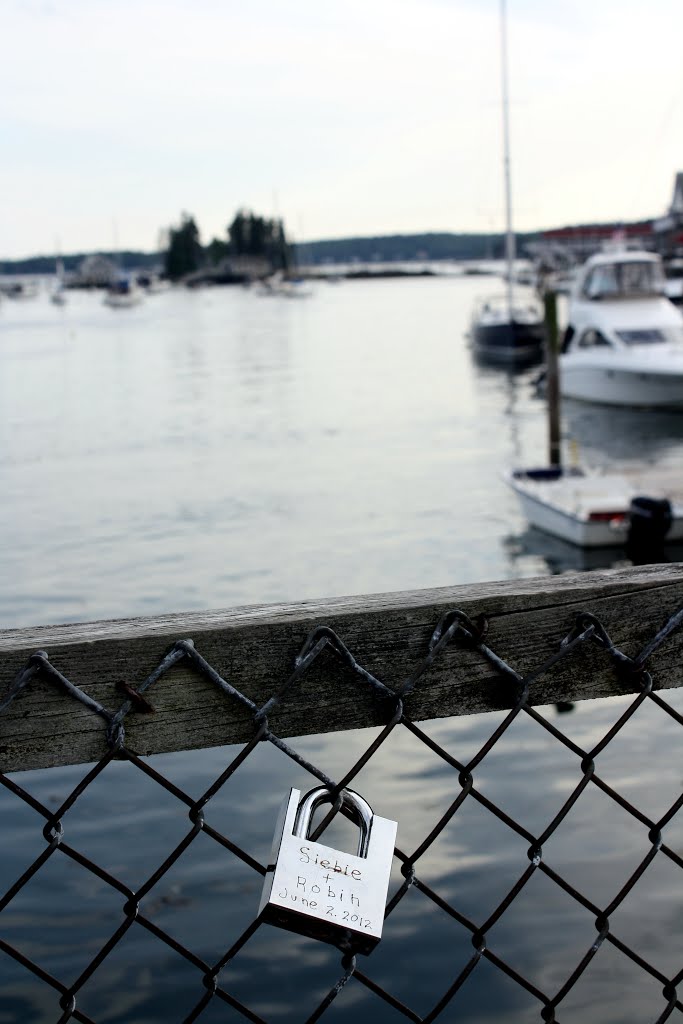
point(330, 895)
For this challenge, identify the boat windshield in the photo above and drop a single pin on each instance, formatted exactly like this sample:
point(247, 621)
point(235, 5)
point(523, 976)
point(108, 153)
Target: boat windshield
point(627, 278)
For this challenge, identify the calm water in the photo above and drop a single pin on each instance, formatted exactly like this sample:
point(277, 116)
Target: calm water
point(216, 448)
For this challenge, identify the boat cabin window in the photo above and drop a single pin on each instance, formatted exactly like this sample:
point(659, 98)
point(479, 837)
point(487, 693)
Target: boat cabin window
point(641, 279)
point(643, 336)
point(591, 339)
point(632, 277)
point(601, 281)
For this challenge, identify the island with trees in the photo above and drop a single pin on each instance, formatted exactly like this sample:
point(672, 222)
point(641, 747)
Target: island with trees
point(254, 247)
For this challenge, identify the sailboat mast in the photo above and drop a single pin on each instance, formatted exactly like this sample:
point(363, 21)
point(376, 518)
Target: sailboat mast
point(509, 236)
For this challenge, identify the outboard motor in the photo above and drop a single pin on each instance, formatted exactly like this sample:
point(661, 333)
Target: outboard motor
point(649, 522)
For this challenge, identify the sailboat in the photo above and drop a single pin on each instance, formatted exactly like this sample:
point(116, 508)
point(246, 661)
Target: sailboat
point(58, 295)
point(504, 330)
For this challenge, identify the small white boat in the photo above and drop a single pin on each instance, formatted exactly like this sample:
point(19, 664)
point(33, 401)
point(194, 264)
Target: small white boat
point(593, 509)
point(122, 294)
point(296, 288)
point(624, 339)
point(19, 289)
point(284, 287)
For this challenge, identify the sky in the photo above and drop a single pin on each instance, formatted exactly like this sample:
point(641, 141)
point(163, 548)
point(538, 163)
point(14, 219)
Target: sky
point(360, 117)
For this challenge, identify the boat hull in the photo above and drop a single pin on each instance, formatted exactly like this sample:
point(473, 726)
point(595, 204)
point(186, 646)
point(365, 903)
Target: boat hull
point(614, 385)
point(508, 344)
point(559, 503)
point(122, 301)
point(558, 523)
point(624, 340)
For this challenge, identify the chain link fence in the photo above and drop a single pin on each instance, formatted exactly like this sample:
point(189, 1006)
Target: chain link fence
point(210, 984)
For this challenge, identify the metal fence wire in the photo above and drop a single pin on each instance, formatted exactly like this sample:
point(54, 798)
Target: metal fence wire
point(213, 980)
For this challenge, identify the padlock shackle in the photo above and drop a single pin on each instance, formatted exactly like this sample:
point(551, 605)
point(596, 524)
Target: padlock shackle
point(361, 808)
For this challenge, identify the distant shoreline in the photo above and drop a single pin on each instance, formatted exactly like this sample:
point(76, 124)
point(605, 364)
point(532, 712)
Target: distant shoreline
point(424, 247)
point(362, 251)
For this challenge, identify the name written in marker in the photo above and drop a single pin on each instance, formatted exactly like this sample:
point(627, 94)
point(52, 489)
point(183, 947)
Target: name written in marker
point(328, 865)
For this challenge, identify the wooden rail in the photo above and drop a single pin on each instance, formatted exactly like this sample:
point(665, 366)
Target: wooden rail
point(254, 649)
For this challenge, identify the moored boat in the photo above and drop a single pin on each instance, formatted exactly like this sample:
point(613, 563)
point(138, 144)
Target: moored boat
point(507, 335)
point(123, 293)
point(594, 509)
point(21, 289)
point(58, 294)
point(624, 339)
point(503, 331)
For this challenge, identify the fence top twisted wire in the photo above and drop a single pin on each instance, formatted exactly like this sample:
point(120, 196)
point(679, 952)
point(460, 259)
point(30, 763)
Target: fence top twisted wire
point(127, 669)
point(621, 630)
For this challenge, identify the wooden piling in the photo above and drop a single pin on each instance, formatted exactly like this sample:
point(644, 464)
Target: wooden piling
point(552, 378)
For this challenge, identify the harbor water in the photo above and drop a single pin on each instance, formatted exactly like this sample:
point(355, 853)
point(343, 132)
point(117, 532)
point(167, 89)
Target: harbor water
point(214, 448)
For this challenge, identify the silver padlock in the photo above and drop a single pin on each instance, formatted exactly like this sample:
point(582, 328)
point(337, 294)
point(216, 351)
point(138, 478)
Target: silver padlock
point(324, 893)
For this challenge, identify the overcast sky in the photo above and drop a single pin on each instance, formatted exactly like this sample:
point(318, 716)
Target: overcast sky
point(346, 118)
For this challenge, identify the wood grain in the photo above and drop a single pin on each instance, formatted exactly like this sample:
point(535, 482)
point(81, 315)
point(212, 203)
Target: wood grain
point(254, 649)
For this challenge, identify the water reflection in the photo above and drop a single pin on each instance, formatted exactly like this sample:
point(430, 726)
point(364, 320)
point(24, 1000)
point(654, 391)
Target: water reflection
point(554, 556)
point(209, 896)
point(557, 555)
point(611, 434)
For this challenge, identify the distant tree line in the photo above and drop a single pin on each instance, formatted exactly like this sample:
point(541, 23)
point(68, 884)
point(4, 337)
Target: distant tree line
point(247, 235)
point(128, 259)
point(250, 235)
point(428, 246)
point(184, 249)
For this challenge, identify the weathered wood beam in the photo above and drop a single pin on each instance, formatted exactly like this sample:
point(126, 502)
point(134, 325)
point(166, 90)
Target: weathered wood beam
point(254, 649)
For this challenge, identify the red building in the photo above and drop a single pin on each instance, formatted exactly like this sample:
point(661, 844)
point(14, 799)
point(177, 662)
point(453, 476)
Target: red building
point(578, 242)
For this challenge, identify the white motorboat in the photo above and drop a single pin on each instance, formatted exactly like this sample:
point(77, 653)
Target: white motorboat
point(624, 339)
point(123, 293)
point(594, 509)
point(503, 331)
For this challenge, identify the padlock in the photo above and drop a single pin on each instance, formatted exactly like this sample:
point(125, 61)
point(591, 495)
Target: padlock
point(324, 893)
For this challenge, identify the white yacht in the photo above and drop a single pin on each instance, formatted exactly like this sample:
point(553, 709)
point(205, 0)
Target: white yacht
point(624, 339)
